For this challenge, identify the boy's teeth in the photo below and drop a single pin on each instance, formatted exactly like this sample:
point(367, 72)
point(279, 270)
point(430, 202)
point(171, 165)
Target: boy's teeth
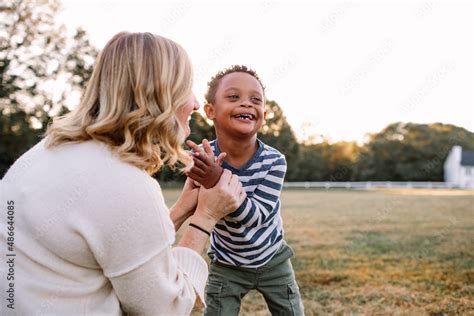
point(245, 116)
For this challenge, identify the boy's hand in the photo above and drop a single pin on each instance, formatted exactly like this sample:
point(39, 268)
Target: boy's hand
point(204, 171)
point(207, 169)
point(206, 150)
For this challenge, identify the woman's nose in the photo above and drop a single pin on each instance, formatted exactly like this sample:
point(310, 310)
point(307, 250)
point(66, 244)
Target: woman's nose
point(196, 104)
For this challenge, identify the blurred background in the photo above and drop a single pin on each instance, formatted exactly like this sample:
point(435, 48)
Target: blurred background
point(368, 95)
point(357, 91)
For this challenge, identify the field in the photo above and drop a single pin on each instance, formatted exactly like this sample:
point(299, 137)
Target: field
point(408, 252)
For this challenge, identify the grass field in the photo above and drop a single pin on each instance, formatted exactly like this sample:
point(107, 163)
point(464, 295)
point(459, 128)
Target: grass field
point(408, 252)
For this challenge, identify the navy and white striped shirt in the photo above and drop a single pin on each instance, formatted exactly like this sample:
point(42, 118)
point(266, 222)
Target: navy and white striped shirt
point(252, 234)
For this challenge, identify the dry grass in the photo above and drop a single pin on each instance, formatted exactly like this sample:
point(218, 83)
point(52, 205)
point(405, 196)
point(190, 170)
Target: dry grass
point(378, 252)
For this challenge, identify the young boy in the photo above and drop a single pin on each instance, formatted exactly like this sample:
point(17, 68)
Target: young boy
point(247, 247)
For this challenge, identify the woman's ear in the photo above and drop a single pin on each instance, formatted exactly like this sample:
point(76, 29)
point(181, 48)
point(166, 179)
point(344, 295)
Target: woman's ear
point(209, 109)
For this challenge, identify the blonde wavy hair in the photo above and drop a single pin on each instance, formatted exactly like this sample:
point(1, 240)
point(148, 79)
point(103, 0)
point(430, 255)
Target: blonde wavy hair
point(130, 103)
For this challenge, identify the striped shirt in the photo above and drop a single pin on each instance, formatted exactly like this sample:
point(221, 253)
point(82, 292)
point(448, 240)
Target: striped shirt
point(251, 235)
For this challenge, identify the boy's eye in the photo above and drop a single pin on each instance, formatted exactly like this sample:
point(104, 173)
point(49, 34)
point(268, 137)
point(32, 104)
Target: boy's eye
point(233, 96)
point(255, 99)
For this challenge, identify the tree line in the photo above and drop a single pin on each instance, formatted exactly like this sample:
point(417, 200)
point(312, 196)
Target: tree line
point(399, 152)
point(42, 68)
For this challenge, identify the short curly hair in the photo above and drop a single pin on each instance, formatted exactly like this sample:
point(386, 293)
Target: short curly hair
point(213, 84)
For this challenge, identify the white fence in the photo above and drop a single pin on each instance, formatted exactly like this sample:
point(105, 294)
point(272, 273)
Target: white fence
point(370, 184)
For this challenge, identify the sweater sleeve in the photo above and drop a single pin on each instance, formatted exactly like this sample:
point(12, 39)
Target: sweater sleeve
point(131, 237)
point(164, 285)
point(265, 201)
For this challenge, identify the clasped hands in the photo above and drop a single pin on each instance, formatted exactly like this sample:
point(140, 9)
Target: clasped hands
point(207, 168)
point(219, 194)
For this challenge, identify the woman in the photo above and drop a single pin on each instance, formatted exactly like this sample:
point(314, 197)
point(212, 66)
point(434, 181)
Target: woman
point(91, 232)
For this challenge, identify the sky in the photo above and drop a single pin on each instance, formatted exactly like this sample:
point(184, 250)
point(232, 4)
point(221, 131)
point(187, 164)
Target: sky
point(338, 70)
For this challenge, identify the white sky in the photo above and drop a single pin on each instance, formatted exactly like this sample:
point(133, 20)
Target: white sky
point(338, 69)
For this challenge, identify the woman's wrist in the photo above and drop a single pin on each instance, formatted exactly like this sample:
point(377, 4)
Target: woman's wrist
point(196, 238)
point(178, 215)
point(203, 221)
point(181, 210)
point(208, 233)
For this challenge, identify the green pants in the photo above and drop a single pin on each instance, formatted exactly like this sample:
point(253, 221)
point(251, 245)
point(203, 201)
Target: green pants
point(227, 285)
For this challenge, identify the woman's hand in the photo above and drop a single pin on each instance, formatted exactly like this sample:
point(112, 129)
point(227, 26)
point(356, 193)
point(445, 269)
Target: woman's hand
point(185, 205)
point(215, 203)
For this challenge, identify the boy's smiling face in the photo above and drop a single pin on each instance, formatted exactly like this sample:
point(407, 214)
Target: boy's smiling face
point(239, 105)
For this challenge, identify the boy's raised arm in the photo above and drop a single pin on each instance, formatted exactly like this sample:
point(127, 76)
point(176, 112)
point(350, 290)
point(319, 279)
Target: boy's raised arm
point(264, 203)
point(255, 210)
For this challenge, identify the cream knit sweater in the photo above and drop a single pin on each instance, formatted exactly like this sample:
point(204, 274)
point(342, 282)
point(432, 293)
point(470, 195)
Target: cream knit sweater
point(91, 236)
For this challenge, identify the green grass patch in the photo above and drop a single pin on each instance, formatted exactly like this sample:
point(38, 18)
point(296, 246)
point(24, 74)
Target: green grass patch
point(374, 243)
point(378, 252)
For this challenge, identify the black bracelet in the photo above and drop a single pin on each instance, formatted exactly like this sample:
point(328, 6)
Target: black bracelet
point(201, 229)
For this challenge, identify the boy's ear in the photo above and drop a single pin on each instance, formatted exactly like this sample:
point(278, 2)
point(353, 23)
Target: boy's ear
point(265, 115)
point(209, 109)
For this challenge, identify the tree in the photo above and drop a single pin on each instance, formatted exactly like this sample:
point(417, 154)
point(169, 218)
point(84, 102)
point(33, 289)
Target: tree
point(410, 152)
point(341, 158)
point(40, 67)
point(277, 133)
point(311, 165)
